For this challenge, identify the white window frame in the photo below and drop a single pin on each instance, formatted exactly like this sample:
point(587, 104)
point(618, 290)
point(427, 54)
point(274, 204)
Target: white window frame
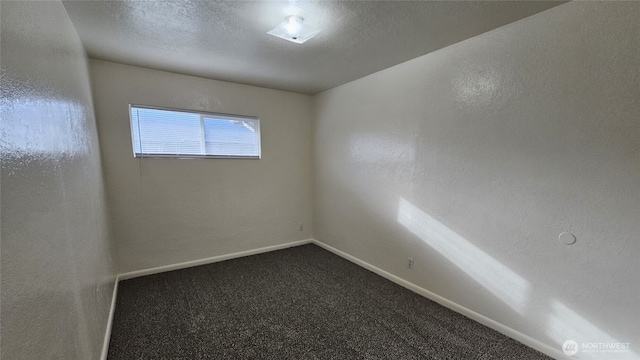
point(203, 115)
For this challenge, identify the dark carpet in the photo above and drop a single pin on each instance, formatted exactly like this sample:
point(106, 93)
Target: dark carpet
point(297, 303)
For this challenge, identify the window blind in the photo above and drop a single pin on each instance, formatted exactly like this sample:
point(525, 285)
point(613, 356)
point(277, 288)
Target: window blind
point(174, 133)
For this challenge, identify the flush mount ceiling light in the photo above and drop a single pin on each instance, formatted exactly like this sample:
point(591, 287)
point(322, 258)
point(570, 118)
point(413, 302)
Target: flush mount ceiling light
point(293, 29)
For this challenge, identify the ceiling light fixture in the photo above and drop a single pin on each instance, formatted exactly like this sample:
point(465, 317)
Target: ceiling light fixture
point(292, 29)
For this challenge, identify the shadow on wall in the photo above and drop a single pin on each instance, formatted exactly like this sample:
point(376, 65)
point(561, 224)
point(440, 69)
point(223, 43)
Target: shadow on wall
point(564, 327)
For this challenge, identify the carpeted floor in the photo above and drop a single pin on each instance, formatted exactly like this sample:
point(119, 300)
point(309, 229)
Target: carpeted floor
point(297, 303)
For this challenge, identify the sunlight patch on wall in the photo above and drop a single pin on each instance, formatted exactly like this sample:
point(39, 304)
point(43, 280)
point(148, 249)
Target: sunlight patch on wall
point(43, 128)
point(504, 283)
point(564, 325)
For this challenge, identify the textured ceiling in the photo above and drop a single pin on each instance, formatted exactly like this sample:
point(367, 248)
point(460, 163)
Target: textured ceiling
point(228, 40)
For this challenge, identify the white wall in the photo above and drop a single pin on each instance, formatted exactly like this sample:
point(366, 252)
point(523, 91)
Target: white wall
point(473, 159)
point(57, 278)
point(166, 211)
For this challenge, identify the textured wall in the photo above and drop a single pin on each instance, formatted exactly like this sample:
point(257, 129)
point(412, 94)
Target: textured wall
point(167, 211)
point(473, 159)
point(57, 278)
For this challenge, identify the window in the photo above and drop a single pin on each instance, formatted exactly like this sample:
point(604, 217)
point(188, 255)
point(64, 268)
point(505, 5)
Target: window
point(157, 132)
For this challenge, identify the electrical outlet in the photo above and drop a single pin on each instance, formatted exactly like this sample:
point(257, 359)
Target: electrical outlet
point(410, 263)
point(300, 226)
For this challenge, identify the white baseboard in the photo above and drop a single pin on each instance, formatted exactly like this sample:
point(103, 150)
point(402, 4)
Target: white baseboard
point(112, 310)
point(188, 264)
point(514, 334)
